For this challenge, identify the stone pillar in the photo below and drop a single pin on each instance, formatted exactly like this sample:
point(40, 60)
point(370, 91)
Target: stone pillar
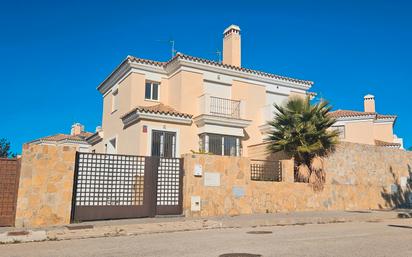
point(46, 184)
point(288, 173)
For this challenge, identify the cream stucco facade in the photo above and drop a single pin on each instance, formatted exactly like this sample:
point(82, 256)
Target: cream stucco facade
point(196, 102)
point(367, 127)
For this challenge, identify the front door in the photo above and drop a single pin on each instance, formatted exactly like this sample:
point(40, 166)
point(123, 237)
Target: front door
point(163, 144)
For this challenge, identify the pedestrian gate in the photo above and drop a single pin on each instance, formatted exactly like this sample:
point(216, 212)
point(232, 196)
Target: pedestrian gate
point(108, 186)
point(9, 185)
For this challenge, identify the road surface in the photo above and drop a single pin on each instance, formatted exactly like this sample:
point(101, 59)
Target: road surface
point(388, 238)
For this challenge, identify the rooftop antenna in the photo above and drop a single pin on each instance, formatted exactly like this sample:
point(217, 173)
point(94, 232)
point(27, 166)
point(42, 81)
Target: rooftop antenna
point(218, 55)
point(172, 45)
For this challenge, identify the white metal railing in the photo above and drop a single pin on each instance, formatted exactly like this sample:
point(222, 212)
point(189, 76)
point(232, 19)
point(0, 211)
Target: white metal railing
point(218, 106)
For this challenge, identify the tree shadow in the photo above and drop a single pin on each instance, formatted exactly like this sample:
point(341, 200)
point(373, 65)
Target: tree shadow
point(398, 196)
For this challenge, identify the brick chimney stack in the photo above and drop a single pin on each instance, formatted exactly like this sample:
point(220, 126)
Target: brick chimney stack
point(77, 129)
point(231, 46)
point(369, 103)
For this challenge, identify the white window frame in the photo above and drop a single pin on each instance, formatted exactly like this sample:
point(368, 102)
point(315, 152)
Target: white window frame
point(205, 144)
point(149, 138)
point(151, 90)
point(108, 142)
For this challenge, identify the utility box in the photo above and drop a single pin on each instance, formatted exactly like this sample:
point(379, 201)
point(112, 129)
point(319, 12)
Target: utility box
point(195, 203)
point(198, 171)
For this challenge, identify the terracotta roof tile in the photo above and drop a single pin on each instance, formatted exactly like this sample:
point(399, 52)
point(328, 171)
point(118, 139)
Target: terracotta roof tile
point(232, 67)
point(145, 61)
point(160, 109)
point(386, 144)
point(381, 116)
point(61, 137)
point(348, 113)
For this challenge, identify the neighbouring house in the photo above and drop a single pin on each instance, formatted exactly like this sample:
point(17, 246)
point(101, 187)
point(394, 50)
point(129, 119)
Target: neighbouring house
point(367, 127)
point(190, 104)
point(77, 137)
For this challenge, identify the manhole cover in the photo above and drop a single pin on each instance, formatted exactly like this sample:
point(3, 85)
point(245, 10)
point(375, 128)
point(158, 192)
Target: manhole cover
point(240, 255)
point(259, 232)
point(18, 233)
point(78, 227)
point(360, 211)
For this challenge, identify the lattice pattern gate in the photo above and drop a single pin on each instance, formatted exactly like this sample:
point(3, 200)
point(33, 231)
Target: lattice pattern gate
point(110, 186)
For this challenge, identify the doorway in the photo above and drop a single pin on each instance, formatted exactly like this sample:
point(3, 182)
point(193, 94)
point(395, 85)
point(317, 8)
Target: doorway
point(163, 144)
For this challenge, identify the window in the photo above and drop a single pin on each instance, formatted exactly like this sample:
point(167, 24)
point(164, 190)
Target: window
point(111, 146)
point(115, 100)
point(163, 144)
point(151, 91)
point(220, 144)
point(341, 130)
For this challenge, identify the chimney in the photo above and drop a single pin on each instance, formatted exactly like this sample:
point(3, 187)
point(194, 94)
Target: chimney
point(77, 128)
point(231, 46)
point(369, 102)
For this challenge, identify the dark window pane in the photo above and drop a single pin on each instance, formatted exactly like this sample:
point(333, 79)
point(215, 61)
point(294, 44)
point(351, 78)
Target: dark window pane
point(169, 144)
point(163, 144)
point(230, 146)
point(155, 93)
point(202, 142)
point(147, 94)
point(215, 144)
point(156, 135)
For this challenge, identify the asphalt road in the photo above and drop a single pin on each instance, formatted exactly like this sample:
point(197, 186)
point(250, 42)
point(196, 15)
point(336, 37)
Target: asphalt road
point(389, 238)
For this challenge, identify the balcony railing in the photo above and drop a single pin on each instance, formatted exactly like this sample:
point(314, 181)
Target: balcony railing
point(223, 107)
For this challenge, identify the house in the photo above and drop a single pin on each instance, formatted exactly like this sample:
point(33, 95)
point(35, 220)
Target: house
point(190, 104)
point(367, 127)
point(77, 137)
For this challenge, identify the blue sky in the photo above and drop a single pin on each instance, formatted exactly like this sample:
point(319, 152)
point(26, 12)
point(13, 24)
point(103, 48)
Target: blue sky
point(53, 54)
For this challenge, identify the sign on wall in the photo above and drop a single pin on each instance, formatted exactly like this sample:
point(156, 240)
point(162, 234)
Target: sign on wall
point(212, 179)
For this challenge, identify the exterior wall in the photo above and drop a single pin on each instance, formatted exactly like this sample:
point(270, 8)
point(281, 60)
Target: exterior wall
point(182, 91)
point(191, 89)
point(261, 152)
point(98, 148)
point(357, 177)
point(383, 132)
point(46, 184)
point(187, 138)
point(131, 91)
point(254, 97)
point(366, 132)
point(359, 132)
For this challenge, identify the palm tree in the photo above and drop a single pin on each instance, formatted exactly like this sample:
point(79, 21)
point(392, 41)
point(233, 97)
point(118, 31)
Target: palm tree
point(302, 130)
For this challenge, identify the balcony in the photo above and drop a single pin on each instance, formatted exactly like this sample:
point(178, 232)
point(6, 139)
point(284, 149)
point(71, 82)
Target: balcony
point(217, 106)
point(225, 107)
point(221, 116)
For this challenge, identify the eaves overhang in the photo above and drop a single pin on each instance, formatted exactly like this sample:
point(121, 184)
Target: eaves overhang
point(137, 115)
point(204, 119)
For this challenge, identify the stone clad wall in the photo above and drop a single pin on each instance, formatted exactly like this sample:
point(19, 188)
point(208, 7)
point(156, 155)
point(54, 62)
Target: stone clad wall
point(358, 177)
point(46, 184)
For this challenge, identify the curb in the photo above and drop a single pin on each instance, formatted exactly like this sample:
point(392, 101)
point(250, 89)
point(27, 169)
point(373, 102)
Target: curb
point(23, 237)
point(80, 231)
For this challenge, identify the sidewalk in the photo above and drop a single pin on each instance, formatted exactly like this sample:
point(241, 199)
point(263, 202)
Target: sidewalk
point(175, 224)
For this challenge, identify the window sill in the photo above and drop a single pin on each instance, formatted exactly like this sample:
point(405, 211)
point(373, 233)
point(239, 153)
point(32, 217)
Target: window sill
point(150, 100)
